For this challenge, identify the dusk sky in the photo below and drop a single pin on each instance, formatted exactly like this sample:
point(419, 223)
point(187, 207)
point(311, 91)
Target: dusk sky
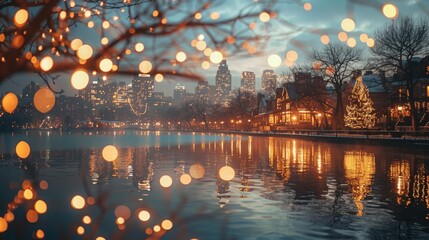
point(299, 30)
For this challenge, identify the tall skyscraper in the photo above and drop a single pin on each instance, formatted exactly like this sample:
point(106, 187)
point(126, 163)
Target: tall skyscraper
point(95, 95)
point(27, 98)
point(223, 82)
point(248, 81)
point(202, 91)
point(269, 82)
point(71, 107)
point(179, 94)
point(223, 77)
point(30, 90)
point(142, 86)
point(120, 95)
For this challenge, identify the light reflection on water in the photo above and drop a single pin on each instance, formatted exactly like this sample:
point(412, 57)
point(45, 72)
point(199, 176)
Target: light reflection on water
point(283, 188)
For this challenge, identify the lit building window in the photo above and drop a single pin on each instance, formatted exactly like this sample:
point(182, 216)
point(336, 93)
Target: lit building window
point(271, 119)
point(304, 117)
point(427, 91)
point(418, 104)
point(287, 117)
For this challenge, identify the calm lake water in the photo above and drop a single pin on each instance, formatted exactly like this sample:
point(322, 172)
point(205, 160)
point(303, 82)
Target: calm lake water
point(282, 189)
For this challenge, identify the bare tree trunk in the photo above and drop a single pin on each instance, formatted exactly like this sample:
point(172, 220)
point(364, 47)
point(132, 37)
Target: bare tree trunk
point(325, 116)
point(206, 124)
point(338, 118)
point(413, 110)
point(316, 122)
point(338, 65)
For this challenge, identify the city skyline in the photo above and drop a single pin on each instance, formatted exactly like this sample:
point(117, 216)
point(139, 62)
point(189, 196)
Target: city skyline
point(166, 86)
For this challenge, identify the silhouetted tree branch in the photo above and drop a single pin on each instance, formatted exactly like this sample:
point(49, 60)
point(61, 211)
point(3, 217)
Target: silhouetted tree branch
point(336, 64)
point(164, 27)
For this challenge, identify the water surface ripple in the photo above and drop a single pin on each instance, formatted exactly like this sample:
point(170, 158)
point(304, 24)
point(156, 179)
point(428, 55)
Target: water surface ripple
point(282, 189)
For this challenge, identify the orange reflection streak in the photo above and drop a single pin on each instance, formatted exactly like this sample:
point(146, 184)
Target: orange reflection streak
point(249, 148)
point(319, 160)
point(420, 187)
point(123, 164)
point(271, 151)
point(239, 146)
point(359, 169)
point(399, 173)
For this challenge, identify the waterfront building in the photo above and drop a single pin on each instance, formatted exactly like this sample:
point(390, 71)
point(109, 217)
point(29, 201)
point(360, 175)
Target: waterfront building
point(399, 105)
point(294, 105)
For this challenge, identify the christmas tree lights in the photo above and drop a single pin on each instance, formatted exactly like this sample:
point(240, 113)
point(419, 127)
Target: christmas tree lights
point(360, 112)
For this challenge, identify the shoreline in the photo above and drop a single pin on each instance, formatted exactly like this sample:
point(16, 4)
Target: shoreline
point(340, 137)
point(349, 139)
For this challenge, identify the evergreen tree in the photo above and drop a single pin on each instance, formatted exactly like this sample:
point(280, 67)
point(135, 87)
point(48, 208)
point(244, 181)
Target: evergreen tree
point(360, 112)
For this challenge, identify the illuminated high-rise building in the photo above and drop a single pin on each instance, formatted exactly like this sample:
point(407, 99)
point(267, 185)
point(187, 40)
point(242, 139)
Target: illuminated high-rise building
point(248, 81)
point(269, 82)
point(202, 91)
point(95, 95)
point(179, 94)
point(70, 107)
point(223, 83)
point(143, 87)
point(223, 77)
point(30, 90)
point(119, 94)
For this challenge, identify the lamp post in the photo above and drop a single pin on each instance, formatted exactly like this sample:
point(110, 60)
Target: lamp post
point(400, 113)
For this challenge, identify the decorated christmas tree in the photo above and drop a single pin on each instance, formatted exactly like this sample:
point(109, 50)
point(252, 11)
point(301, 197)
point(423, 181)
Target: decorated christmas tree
point(360, 112)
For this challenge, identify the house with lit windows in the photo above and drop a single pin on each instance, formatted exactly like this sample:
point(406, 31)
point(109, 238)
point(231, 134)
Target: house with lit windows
point(292, 107)
point(399, 108)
